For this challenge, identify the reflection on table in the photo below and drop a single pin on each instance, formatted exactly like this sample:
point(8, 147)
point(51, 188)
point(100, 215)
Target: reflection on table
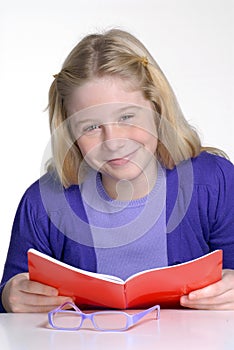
point(176, 329)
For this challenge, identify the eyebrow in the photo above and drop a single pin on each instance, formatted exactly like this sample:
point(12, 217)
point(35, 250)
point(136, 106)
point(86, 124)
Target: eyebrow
point(136, 107)
point(86, 121)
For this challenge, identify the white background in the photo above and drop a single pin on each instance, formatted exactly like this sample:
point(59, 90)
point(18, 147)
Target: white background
point(192, 40)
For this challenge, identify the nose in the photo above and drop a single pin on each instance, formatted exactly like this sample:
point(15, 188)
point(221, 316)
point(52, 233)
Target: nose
point(114, 137)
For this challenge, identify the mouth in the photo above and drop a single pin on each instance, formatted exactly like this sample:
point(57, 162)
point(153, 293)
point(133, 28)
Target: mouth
point(122, 160)
point(118, 161)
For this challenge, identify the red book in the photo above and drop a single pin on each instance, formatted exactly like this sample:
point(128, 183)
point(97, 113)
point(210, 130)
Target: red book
point(162, 286)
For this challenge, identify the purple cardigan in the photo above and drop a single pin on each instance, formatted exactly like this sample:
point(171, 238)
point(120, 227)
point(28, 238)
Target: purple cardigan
point(199, 214)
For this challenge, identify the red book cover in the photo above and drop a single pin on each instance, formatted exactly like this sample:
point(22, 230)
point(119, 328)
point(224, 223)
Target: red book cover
point(162, 286)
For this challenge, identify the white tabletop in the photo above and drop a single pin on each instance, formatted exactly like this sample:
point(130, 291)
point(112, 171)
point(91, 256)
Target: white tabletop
point(176, 329)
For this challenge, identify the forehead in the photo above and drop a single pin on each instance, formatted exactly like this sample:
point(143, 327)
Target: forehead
point(105, 90)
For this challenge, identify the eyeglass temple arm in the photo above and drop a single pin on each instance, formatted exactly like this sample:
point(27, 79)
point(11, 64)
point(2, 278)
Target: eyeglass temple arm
point(137, 317)
point(67, 303)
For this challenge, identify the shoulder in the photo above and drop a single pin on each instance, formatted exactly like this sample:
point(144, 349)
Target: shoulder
point(47, 183)
point(206, 172)
point(47, 195)
point(210, 169)
point(203, 169)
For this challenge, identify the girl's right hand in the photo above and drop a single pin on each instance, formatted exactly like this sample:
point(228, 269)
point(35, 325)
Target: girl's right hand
point(22, 295)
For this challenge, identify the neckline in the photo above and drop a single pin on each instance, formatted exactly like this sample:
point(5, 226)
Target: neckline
point(158, 190)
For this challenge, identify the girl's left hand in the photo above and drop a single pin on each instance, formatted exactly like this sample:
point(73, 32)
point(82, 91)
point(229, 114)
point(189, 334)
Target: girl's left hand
point(217, 296)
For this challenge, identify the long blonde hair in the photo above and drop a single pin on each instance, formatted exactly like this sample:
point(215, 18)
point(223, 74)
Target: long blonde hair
point(117, 53)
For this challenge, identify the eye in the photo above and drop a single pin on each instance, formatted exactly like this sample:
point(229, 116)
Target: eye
point(91, 129)
point(126, 117)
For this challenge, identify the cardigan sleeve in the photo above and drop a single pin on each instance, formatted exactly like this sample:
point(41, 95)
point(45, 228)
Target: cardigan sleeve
point(26, 233)
point(222, 211)
point(207, 219)
point(41, 222)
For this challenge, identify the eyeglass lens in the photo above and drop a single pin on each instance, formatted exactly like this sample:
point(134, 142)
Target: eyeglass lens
point(67, 319)
point(104, 321)
point(71, 320)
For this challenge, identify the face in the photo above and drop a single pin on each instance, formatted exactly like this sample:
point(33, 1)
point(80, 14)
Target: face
point(115, 129)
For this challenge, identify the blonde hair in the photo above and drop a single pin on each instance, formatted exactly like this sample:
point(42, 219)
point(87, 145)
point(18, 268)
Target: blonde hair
point(117, 53)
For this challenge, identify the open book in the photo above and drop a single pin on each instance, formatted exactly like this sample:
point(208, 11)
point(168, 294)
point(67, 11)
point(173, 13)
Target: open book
point(162, 286)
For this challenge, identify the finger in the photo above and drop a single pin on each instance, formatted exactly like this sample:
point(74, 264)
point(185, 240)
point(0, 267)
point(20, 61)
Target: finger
point(210, 291)
point(38, 303)
point(38, 288)
point(23, 284)
point(224, 301)
point(42, 300)
point(215, 289)
point(35, 309)
point(208, 306)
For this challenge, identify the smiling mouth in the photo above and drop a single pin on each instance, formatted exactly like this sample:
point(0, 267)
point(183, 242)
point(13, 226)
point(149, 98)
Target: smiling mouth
point(118, 161)
point(121, 161)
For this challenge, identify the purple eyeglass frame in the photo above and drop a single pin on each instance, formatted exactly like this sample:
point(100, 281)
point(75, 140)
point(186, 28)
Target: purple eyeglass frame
point(131, 319)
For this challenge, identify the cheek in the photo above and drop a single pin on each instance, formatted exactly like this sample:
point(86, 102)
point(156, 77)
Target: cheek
point(88, 147)
point(153, 142)
point(83, 146)
point(149, 140)
point(152, 145)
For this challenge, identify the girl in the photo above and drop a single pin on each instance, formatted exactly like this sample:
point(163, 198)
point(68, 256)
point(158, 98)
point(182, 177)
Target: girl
point(129, 186)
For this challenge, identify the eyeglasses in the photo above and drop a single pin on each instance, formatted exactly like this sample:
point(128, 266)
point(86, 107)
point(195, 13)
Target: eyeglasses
point(63, 319)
